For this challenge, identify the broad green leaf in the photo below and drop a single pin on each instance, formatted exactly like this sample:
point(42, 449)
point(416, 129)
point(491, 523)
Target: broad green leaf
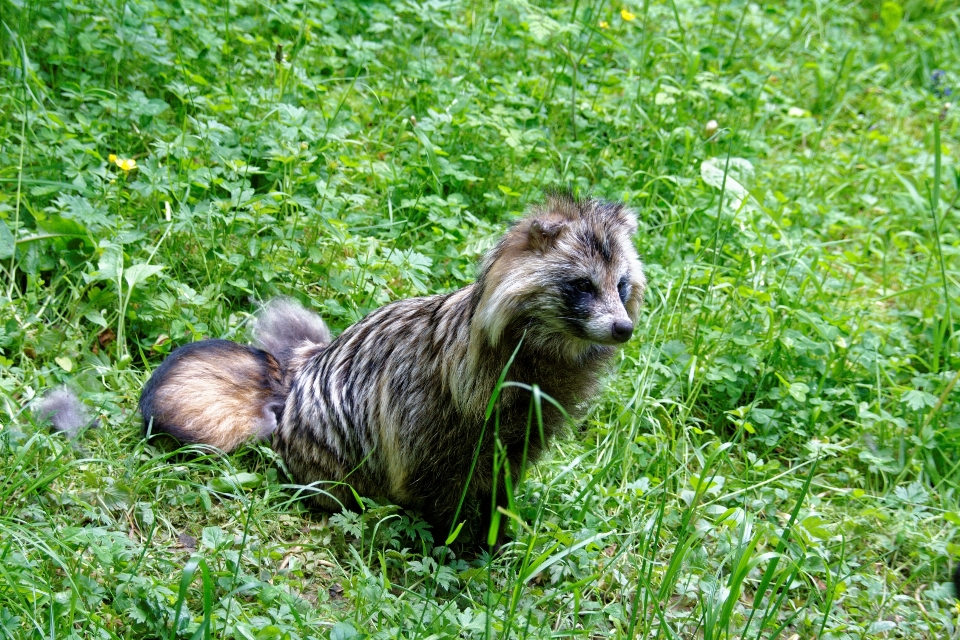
point(245, 480)
point(111, 262)
point(738, 172)
point(61, 226)
point(799, 391)
point(96, 317)
point(137, 273)
point(343, 631)
point(212, 537)
point(916, 399)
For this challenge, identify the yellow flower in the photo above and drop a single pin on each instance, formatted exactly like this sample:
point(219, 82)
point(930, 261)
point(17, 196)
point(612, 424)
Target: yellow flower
point(626, 15)
point(127, 164)
point(604, 24)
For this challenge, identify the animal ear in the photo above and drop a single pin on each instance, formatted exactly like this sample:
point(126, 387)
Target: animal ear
point(629, 220)
point(544, 234)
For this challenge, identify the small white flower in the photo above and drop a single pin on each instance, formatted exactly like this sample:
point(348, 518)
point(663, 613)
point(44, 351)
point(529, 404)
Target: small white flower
point(797, 112)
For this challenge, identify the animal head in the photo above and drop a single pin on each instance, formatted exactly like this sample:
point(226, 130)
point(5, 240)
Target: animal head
point(568, 272)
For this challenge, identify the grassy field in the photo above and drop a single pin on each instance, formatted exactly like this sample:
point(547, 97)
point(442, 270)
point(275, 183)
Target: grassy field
point(776, 453)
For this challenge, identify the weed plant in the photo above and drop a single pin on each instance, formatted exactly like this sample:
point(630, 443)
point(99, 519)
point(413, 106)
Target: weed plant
point(775, 454)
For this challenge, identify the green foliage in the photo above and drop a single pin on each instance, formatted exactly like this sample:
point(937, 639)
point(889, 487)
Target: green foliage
point(777, 452)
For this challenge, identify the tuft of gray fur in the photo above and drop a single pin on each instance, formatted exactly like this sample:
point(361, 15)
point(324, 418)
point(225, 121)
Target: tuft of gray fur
point(283, 325)
point(63, 409)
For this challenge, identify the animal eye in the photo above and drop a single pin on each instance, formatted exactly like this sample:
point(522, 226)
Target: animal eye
point(583, 285)
point(623, 288)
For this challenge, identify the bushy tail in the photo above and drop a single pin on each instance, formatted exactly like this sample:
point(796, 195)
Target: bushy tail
point(221, 393)
point(63, 409)
point(283, 325)
point(214, 392)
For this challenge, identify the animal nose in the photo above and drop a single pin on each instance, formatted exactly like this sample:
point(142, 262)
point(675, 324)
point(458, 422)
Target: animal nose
point(621, 330)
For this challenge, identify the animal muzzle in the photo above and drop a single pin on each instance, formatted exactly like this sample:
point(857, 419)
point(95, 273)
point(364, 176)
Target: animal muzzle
point(621, 330)
point(610, 329)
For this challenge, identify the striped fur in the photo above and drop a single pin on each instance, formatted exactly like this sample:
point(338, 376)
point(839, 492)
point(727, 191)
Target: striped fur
point(394, 407)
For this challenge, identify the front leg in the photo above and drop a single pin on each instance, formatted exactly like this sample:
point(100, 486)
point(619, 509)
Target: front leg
point(492, 525)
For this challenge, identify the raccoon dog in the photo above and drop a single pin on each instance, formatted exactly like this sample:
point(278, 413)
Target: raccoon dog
point(395, 406)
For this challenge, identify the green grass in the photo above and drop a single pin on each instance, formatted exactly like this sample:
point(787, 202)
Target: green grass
point(776, 453)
